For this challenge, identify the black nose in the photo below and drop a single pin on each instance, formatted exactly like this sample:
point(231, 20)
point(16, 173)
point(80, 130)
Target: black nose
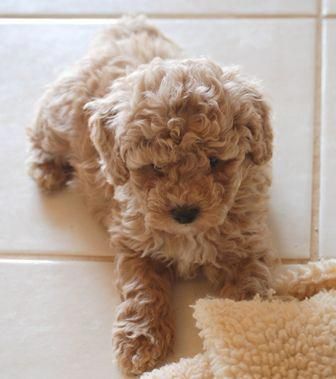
point(185, 214)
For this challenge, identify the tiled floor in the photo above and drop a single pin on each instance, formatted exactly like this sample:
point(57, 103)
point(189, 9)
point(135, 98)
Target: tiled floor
point(56, 318)
point(57, 295)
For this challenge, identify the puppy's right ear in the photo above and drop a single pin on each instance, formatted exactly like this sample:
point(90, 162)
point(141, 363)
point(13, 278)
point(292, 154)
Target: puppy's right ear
point(102, 128)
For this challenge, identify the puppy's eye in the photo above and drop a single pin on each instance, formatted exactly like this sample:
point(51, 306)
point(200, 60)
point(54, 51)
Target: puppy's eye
point(158, 170)
point(213, 162)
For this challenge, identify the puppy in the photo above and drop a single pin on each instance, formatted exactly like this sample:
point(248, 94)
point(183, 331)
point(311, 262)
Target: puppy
point(171, 156)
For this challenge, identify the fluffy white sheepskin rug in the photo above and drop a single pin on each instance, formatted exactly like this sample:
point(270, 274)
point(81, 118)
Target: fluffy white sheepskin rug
point(273, 338)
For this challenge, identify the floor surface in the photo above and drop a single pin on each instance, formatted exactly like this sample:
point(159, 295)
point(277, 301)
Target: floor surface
point(57, 286)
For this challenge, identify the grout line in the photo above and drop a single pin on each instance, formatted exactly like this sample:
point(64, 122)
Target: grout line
point(20, 257)
point(99, 17)
point(54, 257)
point(316, 164)
point(287, 261)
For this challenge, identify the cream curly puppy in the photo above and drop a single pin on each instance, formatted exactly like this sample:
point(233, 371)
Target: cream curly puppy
point(171, 155)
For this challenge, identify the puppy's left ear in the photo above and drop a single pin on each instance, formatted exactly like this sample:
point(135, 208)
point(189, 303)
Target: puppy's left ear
point(251, 116)
point(103, 127)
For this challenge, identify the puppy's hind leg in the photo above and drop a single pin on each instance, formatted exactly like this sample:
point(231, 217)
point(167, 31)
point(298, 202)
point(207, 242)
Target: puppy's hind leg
point(47, 163)
point(50, 175)
point(59, 115)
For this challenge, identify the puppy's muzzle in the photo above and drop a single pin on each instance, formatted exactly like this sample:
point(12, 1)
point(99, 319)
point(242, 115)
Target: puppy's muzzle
point(185, 214)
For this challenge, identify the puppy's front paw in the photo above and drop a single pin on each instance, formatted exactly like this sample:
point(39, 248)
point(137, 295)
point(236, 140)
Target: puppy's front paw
point(137, 353)
point(245, 290)
point(141, 341)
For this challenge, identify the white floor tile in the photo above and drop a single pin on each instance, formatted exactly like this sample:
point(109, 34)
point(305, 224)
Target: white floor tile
point(328, 144)
point(199, 7)
point(280, 52)
point(31, 57)
point(56, 320)
point(329, 7)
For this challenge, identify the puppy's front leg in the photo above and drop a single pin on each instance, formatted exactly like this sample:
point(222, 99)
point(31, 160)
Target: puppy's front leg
point(239, 276)
point(143, 331)
point(251, 276)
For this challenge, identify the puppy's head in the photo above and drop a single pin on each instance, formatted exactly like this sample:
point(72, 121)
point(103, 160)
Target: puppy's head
point(181, 134)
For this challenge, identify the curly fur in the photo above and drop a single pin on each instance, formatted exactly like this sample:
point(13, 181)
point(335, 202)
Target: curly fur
point(133, 126)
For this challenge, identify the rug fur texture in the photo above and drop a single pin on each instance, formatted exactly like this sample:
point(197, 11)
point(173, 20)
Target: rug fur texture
point(290, 335)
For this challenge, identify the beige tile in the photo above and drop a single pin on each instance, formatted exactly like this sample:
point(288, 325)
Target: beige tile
point(56, 320)
point(329, 7)
point(31, 57)
point(187, 341)
point(281, 52)
point(328, 144)
point(116, 7)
